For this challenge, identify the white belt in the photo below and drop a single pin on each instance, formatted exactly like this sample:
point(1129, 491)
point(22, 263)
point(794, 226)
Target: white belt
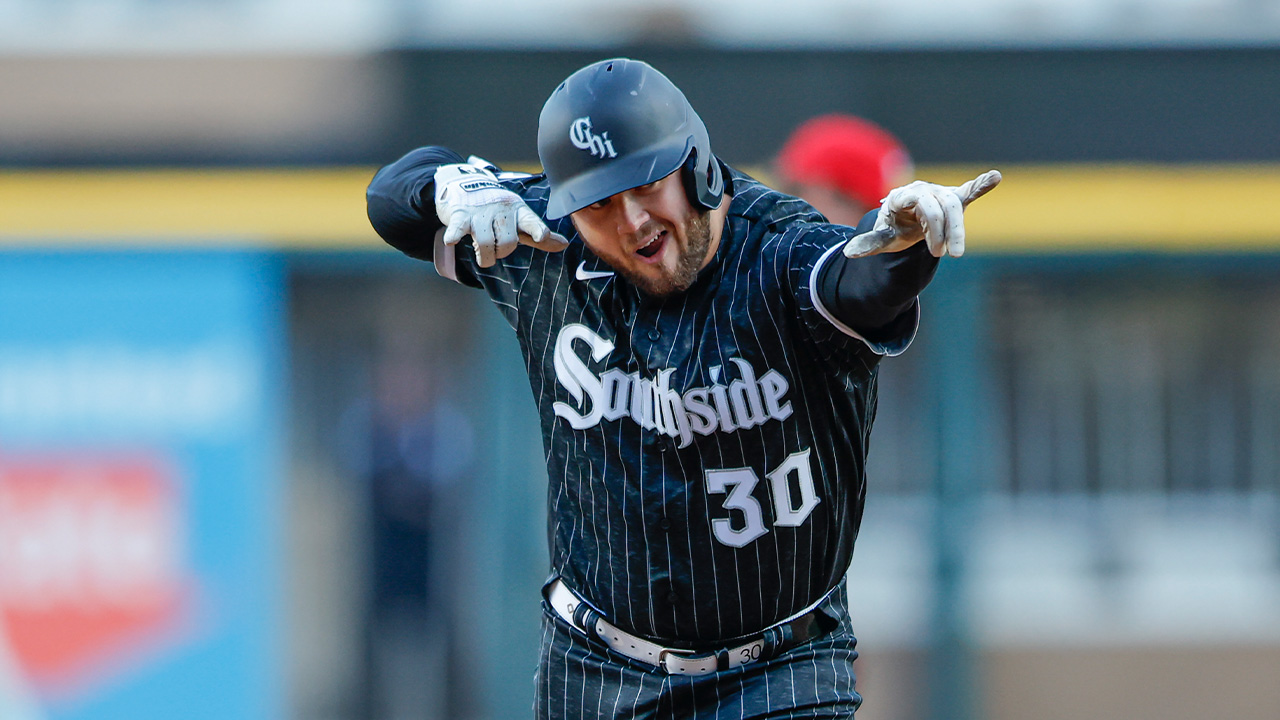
point(672, 660)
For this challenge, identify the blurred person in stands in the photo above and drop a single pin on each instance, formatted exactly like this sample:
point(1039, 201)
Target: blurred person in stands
point(414, 449)
point(842, 165)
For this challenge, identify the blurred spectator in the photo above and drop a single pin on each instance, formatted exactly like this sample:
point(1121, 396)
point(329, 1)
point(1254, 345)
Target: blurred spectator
point(412, 447)
point(842, 165)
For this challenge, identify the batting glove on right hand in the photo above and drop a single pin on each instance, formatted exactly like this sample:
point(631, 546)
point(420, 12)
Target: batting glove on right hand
point(923, 211)
point(469, 201)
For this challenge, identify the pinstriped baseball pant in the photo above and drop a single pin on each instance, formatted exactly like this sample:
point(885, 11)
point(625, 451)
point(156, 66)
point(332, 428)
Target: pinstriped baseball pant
point(579, 677)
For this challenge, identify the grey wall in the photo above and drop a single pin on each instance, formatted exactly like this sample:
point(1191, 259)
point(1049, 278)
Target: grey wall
point(948, 106)
point(1163, 105)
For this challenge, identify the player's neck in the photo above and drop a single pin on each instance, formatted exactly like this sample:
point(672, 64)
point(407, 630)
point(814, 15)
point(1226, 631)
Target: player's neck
point(717, 229)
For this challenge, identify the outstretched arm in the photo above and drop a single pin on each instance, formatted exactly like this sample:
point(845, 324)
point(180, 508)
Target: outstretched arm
point(873, 288)
point(431, 189)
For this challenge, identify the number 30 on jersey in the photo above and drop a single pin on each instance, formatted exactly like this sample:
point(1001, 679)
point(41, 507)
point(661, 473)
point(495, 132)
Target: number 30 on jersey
point(739, 483)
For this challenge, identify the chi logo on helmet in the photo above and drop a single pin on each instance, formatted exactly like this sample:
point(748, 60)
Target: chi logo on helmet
point(582, 138)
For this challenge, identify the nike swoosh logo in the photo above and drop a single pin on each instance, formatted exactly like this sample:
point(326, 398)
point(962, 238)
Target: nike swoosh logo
point(584, 274)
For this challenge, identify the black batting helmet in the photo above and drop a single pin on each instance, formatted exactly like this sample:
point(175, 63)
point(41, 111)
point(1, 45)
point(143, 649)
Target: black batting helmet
point(619, 124)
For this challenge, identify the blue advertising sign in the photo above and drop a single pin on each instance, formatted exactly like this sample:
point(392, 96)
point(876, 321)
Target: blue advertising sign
point(141, 472)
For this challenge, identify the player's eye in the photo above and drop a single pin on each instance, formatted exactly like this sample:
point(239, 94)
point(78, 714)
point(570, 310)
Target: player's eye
point(600, 204)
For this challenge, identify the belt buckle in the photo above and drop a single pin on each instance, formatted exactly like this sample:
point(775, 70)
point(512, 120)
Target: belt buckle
point(662, 659)
point(662, 662)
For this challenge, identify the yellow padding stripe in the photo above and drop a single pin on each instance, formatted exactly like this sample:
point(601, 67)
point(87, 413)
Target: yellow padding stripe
point(1120, 208)
point(303, 208)
point(1037, 209)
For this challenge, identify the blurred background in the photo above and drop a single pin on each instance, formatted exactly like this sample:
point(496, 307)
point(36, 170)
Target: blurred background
point(254, 464)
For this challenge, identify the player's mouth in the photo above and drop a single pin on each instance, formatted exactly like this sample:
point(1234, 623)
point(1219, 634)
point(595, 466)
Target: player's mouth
point(651, 250)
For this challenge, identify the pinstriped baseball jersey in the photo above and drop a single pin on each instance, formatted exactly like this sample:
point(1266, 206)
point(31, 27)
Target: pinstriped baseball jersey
point(705, 450)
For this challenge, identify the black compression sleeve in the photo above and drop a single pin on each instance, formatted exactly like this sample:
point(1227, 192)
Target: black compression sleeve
point(868, 294)
point(401, 200)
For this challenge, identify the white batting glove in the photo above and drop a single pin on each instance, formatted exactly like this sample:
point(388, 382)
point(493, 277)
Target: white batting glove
point(469, 201)
point(923, 211)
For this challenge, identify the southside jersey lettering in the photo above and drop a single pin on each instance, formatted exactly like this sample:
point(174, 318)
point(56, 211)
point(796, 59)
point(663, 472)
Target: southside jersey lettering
point(653, 404)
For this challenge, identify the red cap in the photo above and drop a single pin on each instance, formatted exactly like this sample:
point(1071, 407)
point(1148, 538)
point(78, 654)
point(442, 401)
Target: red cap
point(855, 156)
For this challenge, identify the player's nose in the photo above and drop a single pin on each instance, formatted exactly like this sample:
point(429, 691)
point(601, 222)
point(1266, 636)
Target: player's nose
point(631, 214)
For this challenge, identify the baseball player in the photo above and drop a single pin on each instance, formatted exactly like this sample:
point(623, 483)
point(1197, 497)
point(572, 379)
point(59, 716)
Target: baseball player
point(702, 350)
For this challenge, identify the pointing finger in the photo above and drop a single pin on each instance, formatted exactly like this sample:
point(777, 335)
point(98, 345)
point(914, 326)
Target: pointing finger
point(530, 224)
point(978, 186)
point(552, 242)
point(534, 232)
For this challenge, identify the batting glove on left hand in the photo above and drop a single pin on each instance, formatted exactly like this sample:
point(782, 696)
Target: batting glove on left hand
point(923, 211)
point(469, 201)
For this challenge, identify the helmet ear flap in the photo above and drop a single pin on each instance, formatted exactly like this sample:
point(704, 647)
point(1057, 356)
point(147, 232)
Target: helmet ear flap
point(704, 191)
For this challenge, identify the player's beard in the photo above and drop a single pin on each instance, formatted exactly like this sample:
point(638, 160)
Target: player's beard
point(697, 232)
